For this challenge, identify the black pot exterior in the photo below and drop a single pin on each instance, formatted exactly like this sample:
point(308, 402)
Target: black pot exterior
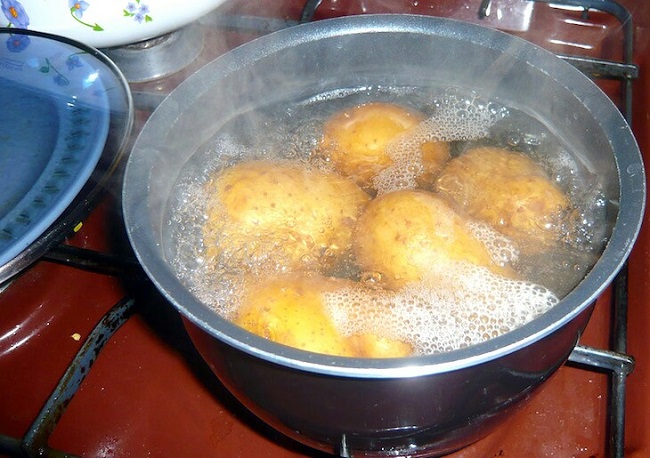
point(417, 416)
point(434, 403)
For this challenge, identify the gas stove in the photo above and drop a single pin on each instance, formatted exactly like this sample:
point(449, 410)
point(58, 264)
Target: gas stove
point(95, 362)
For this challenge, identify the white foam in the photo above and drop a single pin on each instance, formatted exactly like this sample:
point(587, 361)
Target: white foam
point(501, 249)
point(457, 117)
point(462, 306)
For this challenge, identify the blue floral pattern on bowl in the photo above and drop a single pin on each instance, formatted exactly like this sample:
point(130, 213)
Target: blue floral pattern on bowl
point(17, 16)
point(103, 23)
point(77, 9)
point(138, 11)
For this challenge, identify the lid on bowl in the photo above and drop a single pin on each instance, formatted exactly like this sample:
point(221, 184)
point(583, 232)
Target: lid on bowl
point(66, 109)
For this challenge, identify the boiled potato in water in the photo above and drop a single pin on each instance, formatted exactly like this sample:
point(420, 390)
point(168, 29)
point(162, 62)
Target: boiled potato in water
point(371, 345)
point(508, 190)
point(292, 310)
point(406, 236)
point(364, 140)
point(280, 216)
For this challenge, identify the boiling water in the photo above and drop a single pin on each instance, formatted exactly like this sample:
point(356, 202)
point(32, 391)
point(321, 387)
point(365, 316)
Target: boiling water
point(463, 305)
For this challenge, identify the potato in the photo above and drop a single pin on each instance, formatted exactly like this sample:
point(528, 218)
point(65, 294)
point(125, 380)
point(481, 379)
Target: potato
point(406, 236)
point(358, 142)
point(280, 216)
point(508, 190)
point(292, 310)
point(368, 345)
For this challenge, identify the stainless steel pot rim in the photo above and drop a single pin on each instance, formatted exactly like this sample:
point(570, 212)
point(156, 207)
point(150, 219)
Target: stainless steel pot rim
point(628, 159)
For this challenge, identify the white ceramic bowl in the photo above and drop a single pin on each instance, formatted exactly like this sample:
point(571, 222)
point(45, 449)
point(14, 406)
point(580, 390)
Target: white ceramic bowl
point(103, 23)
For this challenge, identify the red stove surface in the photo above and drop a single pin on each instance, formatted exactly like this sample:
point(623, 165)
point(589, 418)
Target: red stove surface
point(150, 394)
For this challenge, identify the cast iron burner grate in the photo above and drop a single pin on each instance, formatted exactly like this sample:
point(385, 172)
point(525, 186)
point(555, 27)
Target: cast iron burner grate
point(614, 362)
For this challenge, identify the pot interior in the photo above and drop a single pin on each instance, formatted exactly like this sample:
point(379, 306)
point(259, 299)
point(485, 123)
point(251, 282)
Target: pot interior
point(356, 53)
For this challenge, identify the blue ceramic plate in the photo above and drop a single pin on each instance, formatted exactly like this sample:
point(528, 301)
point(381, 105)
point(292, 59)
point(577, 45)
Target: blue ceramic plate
point(54, 122)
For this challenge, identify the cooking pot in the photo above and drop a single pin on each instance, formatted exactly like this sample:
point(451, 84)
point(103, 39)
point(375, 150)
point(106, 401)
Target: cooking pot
point(385, 407)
